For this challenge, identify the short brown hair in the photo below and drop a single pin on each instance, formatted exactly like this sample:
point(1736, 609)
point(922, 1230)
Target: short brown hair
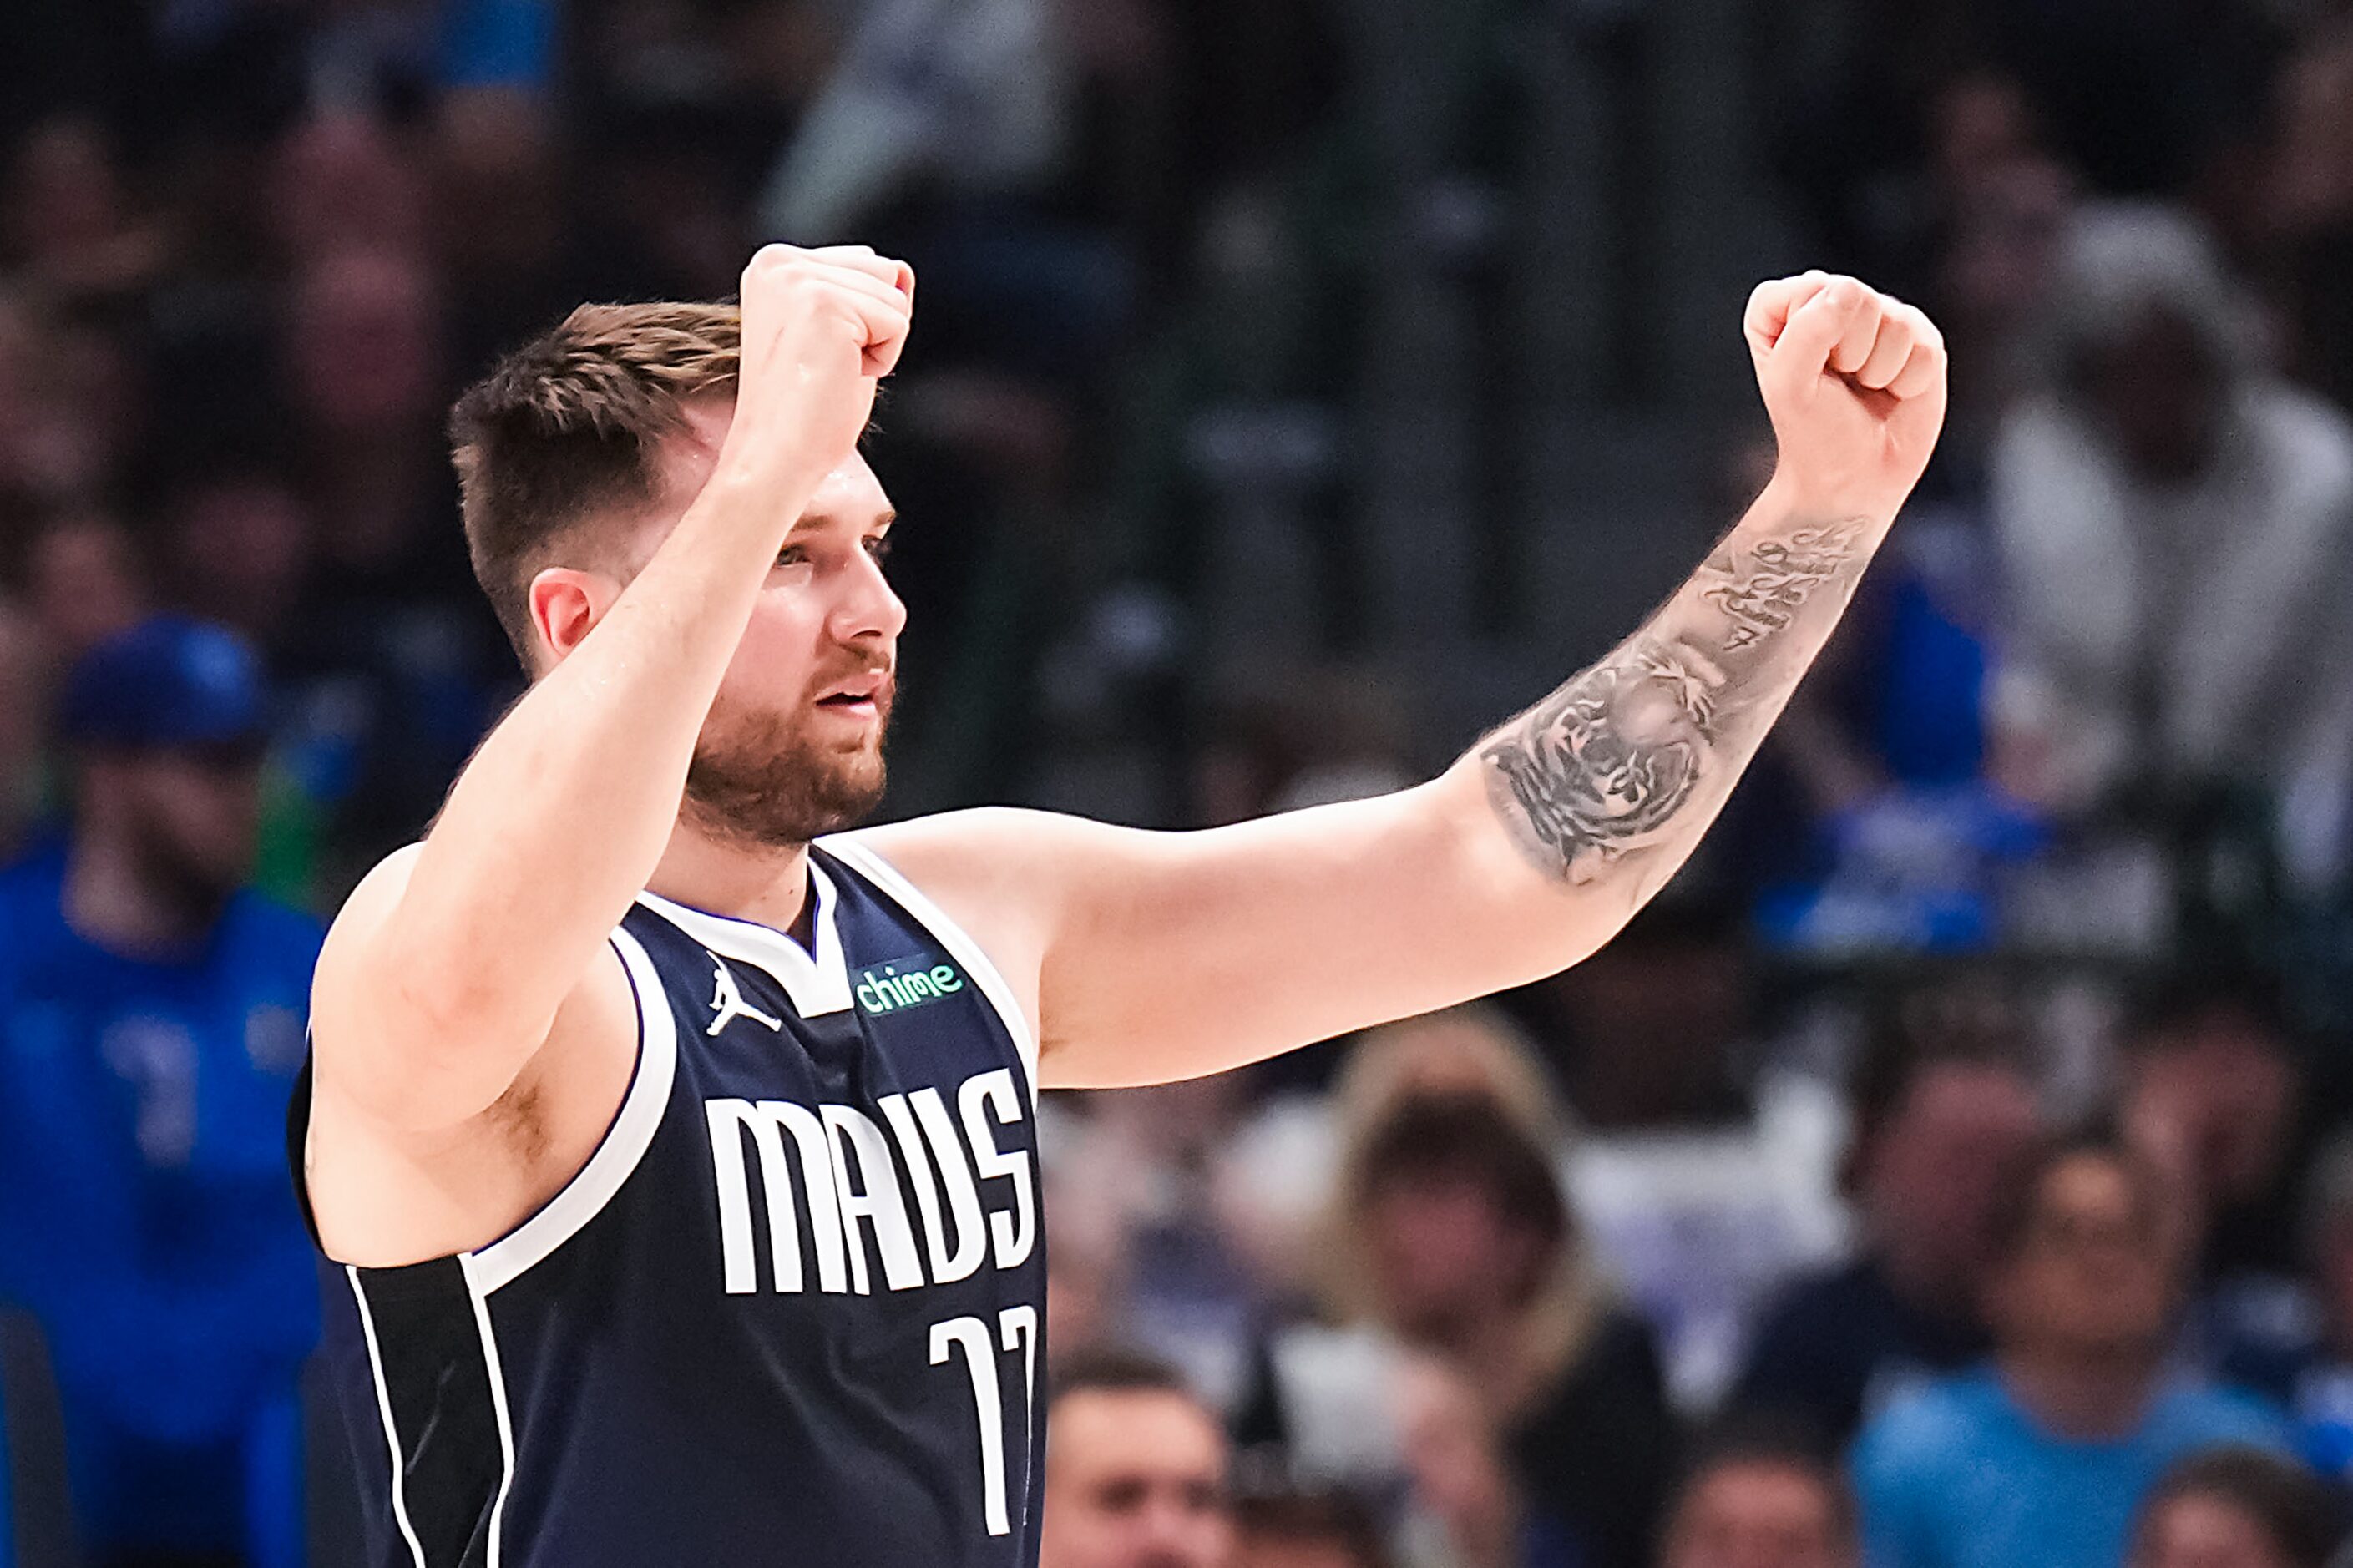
point(1766, 1440)
point(2302, 1516)
point(1115, 1369)
point(2019, 1194)
point(570, 424)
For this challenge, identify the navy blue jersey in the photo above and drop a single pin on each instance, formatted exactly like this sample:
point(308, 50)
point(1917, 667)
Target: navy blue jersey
point(792, 1309)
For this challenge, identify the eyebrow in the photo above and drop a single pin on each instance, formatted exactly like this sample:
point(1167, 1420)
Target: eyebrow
point(815, 522)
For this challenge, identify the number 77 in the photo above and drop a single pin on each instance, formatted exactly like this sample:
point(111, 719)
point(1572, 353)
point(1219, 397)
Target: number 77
point(1017, 1329)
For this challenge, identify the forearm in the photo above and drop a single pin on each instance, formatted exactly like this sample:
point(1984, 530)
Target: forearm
point(1607, 784)
point(564, 813)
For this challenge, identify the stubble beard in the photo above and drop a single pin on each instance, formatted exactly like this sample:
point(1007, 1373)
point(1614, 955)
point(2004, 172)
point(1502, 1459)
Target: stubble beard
point(765, 782)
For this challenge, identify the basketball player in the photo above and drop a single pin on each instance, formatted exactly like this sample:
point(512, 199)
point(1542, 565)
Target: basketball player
point(676, 1146)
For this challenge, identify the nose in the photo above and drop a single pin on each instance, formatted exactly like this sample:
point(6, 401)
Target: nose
point(869, 609)
point(1172, 1533)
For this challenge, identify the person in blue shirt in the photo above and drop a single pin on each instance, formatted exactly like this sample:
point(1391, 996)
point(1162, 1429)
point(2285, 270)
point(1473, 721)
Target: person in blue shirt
point(151, 1021)
point(2038, 1457)
point(1942, 1102)
point(7, 1518)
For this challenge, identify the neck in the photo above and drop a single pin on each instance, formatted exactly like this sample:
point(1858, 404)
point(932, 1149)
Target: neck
point(111, 901)
point(1490, 1352)
point(2083, 1397)
point(764, 883)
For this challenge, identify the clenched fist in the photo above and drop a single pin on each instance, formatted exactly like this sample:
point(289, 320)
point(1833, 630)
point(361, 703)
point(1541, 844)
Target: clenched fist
point(1854, 382)
point(821, 328)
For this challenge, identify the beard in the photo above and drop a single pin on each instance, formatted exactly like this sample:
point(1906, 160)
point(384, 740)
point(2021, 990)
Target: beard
point(193, 884)
point(764, 781)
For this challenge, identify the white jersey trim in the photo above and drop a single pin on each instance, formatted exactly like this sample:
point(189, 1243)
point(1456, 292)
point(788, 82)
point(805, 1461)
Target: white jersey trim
point(471, 1267)
point(383, 1408)
point(616, 1157)
point(959, 943)
point(817, 984)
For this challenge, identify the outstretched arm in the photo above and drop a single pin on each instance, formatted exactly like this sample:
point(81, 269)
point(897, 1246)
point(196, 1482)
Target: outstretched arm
point(1608, 783)
point(1166, 955)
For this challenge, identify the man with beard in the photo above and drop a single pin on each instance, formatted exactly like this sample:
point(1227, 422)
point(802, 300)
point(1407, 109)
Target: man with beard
point(151, 1025)
point(677, 1147)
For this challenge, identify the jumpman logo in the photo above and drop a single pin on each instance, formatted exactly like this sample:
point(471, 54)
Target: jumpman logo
point(729, 1003)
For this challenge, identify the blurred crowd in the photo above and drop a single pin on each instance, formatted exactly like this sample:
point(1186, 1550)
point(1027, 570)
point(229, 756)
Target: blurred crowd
point(1954, 1168)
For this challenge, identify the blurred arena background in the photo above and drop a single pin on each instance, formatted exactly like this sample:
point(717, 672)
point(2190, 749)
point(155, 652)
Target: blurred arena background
point(1301, 386)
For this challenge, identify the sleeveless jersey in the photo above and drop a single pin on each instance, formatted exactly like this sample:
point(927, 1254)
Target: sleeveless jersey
point(792, 1309)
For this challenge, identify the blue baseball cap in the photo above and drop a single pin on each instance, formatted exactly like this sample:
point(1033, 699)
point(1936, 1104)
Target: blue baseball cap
point(169, 682)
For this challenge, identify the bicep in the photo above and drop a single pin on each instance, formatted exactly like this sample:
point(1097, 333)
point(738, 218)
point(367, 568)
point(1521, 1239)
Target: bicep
point(1175, 954)
point(386, 1038)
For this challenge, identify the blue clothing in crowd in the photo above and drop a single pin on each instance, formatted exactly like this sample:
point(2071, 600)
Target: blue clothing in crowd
point(145, 1218)
point(1956, 1475)
point(7, 1515)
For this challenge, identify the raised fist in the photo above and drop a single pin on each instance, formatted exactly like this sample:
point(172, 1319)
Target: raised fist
point(821, 328)
point(1854, 382)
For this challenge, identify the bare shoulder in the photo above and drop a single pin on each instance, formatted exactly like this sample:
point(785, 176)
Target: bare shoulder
point(1003, 863)
point(348, 962)
point(377, 895)
point(983, 843)
point(1001, 873)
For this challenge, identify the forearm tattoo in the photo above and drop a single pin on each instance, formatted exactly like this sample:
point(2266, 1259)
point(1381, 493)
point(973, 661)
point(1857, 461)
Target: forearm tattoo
point(1605, 766)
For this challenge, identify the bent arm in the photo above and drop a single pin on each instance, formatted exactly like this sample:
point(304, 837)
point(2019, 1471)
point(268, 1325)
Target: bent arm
point(445, 972)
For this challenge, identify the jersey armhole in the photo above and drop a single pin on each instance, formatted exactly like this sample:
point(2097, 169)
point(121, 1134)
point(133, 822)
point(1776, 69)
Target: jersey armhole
point(959, 942)
point(623, 1146)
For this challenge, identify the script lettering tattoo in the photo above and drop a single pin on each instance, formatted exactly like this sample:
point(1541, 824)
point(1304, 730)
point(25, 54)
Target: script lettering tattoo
point(1785, 574)
point(1601, 768)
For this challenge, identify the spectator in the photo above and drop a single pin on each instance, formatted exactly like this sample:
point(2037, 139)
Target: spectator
point(1455, 1239)
point(1147, 1226)
point(1305, 1529)
point(1651, 1032)
point(151, 1024)
point(2212, 1091)
point(64, 408)
point(365, 373)
point(69, 232)
point(2040, 1458)
point(7, 1519)
point(342, 183)
point(2239, 1507)
point(2309, 205)
point(238, 544)
point(2297, 1347)
point(83, 582)
point(1089, 1243)
point(1943, 1104)
point(1759, 1497)
point(2176, 524)
point(23, 692)
point(398, 634)
point(499, 184)
point(1135, 1470)
point(1463, 1505)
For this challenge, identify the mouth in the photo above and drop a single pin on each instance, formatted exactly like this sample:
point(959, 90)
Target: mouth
point(861, 697)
